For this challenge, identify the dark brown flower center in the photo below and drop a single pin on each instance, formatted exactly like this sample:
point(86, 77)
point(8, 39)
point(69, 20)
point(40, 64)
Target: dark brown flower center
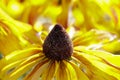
point(57, 45)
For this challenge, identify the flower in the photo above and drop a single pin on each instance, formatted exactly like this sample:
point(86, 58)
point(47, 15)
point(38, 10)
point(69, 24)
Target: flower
point(31, 53)
point(58, 59)
point(14, 33)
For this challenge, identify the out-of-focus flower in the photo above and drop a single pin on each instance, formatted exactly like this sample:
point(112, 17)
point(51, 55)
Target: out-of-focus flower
point(83, 15)
point(15, 34)
point(9, 34)
point(30, 11)
point(95, 14)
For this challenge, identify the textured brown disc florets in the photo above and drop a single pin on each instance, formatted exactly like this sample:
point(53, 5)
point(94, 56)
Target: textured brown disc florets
point(57, 45)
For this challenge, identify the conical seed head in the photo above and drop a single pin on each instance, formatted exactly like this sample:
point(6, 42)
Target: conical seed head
point(57, 45)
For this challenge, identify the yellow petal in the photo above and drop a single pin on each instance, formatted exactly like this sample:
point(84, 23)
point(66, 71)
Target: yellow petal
point(20, 54)
point(62, 74)
point(7, 68)
point(15, 57)
point(15, 74)
point(18, 65)
point(49, 73)
point(113, 59)
point(70, 71)
point(79, 73)
point(7, 38)
point(38, 70)
point(95, 65)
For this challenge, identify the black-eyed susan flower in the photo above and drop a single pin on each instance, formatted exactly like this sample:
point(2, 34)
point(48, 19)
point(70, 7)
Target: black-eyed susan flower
point(58, 59)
